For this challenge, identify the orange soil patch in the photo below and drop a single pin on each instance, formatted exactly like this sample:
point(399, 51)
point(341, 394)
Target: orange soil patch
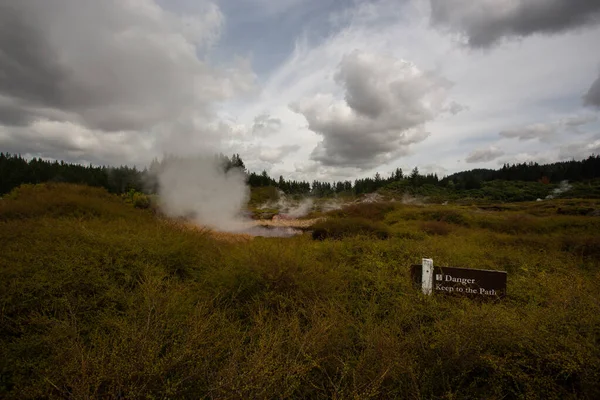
point(288, 223)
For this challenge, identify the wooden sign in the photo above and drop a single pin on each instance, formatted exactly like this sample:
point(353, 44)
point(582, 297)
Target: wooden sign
point(459, 281)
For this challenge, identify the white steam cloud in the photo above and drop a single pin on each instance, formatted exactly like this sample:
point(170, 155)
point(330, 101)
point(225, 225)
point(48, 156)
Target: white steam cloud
point(301, 209)
point(562, 187)
point(201, 190)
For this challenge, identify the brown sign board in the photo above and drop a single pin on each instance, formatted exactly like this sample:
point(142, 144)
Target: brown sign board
point(480, 283)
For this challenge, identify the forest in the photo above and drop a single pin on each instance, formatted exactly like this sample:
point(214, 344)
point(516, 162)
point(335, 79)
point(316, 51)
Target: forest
point(527, 180)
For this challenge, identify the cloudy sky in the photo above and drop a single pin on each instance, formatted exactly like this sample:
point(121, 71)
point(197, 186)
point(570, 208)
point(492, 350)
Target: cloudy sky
point(325, 89)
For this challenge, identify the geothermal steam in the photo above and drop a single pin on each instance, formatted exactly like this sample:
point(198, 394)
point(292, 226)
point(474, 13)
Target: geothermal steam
point(200, 189)
point(563, 187)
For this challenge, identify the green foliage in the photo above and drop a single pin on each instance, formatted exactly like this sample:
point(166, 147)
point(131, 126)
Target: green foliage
point(15, 170)
point(262, 195)
point(348, 227)
point(511, 183)
point(137, 199)
point(102, 300)
point(140, 200)
point(445, 214)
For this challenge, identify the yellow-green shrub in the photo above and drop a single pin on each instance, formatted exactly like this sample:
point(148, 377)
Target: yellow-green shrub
point(372, 211)
point(121, 304)
point(340, 228)
point(436, 228)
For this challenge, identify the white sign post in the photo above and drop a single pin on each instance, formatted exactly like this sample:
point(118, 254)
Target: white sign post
point(427, 276)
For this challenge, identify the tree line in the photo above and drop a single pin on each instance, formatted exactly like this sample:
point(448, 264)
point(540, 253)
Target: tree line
point(16, 170)
point(575, 171)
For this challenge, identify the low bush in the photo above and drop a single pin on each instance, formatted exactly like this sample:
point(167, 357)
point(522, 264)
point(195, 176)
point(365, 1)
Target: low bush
point(341, 228)
point(371, 211)
point(513, 224)
point(583, 246)
point(449, 216)
point(120, 304)
point(261, 195)
point(574, 210)
point(140, 200)
point(60, 200)
point(436, 228)
point(429, 213)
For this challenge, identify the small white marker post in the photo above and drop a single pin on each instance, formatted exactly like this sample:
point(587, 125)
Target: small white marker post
point(427, 276)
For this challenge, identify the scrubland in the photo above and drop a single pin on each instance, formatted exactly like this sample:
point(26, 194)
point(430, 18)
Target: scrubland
point(100, 299)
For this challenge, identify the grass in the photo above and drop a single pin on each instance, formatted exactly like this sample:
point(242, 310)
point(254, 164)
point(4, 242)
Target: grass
point(99, 299)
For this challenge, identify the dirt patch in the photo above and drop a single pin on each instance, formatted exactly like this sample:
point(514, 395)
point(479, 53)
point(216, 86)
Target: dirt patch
point(288, 223)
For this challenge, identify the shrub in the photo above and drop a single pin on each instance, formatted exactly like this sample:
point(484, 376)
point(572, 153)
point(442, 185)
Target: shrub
point(59, 200)
point(436, 228)
point(341, 228)
point(449, 216)
point(261, 195)
point(513, 224)
point(582, 246)
point(140, 200)
point(120, 304)
point(372, 211)
point(575, 210)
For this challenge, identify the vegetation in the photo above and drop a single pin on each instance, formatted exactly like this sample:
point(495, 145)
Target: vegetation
point(348, 227)
point(511, 183)
point(372, 211)
point(100, 299)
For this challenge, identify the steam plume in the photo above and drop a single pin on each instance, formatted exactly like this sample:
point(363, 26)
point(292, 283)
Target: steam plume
point(200, 189)
point(562, 187)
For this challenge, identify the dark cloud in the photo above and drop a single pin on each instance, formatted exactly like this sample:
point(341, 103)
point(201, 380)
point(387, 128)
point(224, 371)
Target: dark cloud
point(592, 97)
point(110, 66)
point(387, 102)
point(117, 65)
point(484, 155)
point(486, 22)
point(28, 71)
point(13, 115)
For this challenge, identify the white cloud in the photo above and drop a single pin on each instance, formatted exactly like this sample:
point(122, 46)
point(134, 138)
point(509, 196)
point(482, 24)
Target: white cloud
point(265, 125)
point(439, 170)
point(484, 155)
point(387, 102)
point(152, 83)
point(499, 89)
point(526, 157)
point(66, 140)
point(580, 150)
point(274, 155)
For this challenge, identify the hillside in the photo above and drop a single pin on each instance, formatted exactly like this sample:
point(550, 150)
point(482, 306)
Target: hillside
point(100, 299)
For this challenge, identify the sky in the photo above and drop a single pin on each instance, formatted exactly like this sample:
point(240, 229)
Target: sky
point(307, 89)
